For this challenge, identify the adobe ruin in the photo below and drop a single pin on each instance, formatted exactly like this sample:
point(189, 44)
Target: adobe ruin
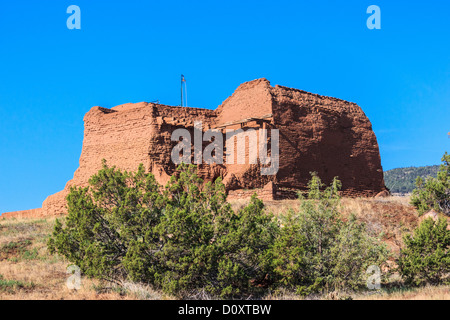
point(319, 134)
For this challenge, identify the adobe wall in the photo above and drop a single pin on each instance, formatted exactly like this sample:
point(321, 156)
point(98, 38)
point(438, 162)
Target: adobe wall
point(169, 119)
point(27, 214)
point(126, 136)
point(251, 99)
point(326, 135)
point(120, 135)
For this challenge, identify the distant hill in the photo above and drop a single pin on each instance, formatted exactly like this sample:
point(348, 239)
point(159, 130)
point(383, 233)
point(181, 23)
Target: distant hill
point(403, 180)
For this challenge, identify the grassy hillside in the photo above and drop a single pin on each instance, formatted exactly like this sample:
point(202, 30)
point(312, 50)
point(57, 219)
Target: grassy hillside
point(28, 271)
point(403, 180)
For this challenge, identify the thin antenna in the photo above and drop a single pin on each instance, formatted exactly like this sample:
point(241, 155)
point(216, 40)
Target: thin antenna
point(185, 93)
point(182, 80)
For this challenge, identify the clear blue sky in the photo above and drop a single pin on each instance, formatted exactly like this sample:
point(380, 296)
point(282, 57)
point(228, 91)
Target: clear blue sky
point(132, 51)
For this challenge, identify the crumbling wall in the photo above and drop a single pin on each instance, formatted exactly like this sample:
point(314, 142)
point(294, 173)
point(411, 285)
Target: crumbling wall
point(169, 119)
point(119, 135)
point(251, 99)
point(329, 136)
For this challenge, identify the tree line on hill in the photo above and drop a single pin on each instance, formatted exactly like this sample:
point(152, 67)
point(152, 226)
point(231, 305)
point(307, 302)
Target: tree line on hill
point(403, 180)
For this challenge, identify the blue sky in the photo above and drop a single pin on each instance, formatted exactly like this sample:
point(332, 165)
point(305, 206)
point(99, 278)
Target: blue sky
point(132, 51)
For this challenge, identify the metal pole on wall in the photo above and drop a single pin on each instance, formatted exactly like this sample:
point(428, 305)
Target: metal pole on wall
point(185, 94)
point(182, 79)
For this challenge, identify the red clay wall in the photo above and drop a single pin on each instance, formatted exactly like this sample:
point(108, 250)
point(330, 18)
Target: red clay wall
point(329, 136)
point(251, 99)
point(28, 214)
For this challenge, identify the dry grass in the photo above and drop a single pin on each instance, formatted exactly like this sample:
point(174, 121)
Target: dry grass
point(389, 218)
point(28, 271)
point(425, 293)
